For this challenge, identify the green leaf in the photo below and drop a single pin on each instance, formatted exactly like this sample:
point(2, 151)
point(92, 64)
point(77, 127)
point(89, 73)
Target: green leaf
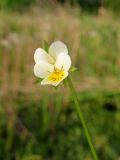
point(38, 80)
point(56, 87)
point(73, 69)
point(46, 46)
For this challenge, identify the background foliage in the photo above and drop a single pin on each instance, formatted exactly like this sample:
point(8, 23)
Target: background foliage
point(15, 4)
point(86, 5)
point(39, 123)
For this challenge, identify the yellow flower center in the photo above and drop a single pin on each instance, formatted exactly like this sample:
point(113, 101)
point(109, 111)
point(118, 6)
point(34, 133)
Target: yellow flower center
point(56, 75)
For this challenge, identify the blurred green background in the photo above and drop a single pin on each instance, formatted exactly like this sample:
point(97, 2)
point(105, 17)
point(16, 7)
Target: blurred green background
point(39, 123)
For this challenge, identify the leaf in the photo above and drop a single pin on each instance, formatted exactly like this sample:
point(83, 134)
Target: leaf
point(73, 69)
point(38, 80)
point(46, 46)
point(56, 87)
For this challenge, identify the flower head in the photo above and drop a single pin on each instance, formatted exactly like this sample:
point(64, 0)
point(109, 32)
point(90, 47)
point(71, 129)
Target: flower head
point(53, 66)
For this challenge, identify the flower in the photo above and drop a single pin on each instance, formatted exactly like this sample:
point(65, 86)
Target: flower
point(53, 66)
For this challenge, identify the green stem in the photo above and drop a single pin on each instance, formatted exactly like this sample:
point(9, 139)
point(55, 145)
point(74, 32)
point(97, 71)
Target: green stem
point(80, 115)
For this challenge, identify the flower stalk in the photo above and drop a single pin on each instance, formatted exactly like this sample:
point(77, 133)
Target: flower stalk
point(52, 66)
point(81, 117)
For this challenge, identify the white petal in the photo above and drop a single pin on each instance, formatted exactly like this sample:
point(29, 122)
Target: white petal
point(56, 48)
point(47, 81)
point(63, 61)
point(43, 69)
point(41, 55)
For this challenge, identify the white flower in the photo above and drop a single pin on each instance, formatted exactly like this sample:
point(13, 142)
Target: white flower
point(53, 66)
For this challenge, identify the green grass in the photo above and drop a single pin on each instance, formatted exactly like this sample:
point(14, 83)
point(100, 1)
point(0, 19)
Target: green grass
point(50, 129)
point(39, 123)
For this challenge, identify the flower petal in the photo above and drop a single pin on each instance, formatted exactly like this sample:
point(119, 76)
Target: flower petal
point(56, 48)
point(43, 69)
point(47, 81)
point(41, 55)
point(63, 62)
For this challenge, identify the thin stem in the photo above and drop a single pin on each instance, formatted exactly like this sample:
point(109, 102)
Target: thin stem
point(80, 115)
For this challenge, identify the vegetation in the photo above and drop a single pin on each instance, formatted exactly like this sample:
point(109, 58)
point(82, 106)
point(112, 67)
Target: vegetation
point(113, 5)
point(39, 123)
point(15, 4)
point(31, 130)
point(85, 5)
